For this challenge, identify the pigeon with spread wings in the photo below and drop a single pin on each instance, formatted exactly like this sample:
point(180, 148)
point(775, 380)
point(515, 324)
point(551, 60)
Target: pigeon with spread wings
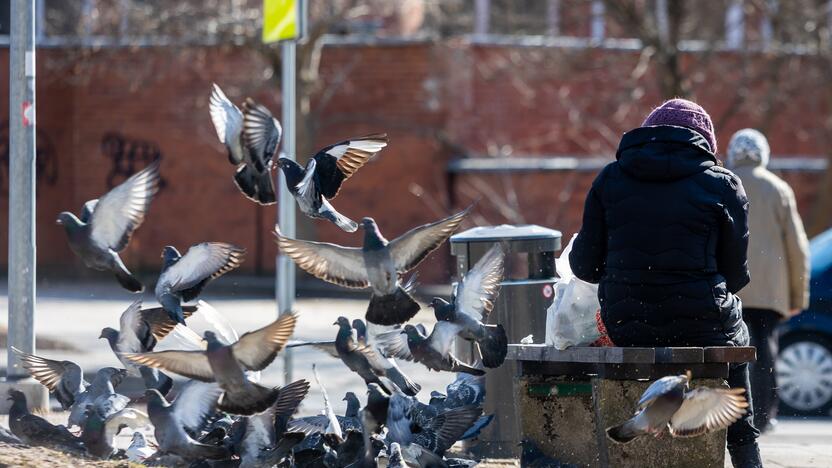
point(184, 276)
point(470, 304)
point(106, 224)
point(188, 413)
point(251, 137)
point(433, 351)
point(226, 364)
point(668, 404)
point(379, 264)
point(324, 174)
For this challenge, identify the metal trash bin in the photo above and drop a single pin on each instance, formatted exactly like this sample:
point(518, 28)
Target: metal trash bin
point(525, 294)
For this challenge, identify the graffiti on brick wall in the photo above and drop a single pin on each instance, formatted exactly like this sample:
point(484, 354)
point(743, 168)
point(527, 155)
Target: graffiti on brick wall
point(128, 156)
point(46, 161)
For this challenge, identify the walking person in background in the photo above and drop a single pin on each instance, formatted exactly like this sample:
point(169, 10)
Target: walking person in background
point(777, 258)
point(665, 235)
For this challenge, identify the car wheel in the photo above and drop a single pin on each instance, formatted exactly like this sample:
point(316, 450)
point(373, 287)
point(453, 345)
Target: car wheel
point(804, 374)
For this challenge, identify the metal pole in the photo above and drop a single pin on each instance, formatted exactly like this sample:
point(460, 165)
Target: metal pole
point(285, 289)
point(21, 273)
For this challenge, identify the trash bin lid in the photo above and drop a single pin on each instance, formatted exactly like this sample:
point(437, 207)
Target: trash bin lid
point(521, 238)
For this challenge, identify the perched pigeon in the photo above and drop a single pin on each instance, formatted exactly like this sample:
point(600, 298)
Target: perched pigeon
point(136, 336)
point(668, 404)
point(433, 351)
point(378, 264)
point(188, 413)
point(183, 277)
point(471, 302)
point(34, 430)
point(138, 450)
point(107, 223)
point(321, 180)
point(365, 362)
point(63, 378)
point(260, 444)
point(251, 137)
point(226, 364)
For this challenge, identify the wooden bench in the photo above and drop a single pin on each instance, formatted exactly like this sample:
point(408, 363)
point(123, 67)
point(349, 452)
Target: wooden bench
point(567, 399)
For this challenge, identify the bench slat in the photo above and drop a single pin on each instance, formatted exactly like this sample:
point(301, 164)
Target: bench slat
point(620, 355)
point(680, 355)
point(730, 354)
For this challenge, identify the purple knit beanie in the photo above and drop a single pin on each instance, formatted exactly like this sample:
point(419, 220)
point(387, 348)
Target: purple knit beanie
point(684, 113)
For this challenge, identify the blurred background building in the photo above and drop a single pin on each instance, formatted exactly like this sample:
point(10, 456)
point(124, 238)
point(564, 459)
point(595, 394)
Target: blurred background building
point(515, 103)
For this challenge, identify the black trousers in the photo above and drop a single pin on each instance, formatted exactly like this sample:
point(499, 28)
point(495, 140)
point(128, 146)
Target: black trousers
point(762, 326)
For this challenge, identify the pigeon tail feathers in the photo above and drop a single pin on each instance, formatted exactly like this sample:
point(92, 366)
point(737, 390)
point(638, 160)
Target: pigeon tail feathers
point(128, 281)
point(392, 309)
point(265, 189)
point(494, 347)
point(340, 220)
point(248, 402)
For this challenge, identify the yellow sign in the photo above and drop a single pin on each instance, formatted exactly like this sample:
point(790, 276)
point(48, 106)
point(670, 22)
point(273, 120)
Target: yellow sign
point(280, 20)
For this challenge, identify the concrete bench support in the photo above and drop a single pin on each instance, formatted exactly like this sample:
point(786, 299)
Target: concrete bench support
point(567, 399)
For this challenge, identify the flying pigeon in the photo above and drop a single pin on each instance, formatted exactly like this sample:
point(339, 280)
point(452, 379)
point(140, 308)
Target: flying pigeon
point(136, 336)
point(63, 378)
point(433, 351)
point(34, 430)
point(668, 404)
point(107, 223)
point(226, 364)
point(100, 431)
point(251, 137)
point(101, 394)
point(378, 264)
point(321, 180)
point(261, 444)
point(369, 365)
point(183, 277)
point(188, 413)
point(471, 302)
point(138, 450)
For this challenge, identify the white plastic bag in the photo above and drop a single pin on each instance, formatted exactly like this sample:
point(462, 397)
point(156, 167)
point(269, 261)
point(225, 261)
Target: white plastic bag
point(571, 319)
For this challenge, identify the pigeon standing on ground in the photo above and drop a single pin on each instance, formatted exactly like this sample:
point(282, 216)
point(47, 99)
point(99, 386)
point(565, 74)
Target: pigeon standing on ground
point(378, 264)
point(183, 277)
point(321, 180)
point(188, 413)
point(107, 223)
point(34, 430)
point(668, 404)
point(470, 304)
point(136, 336)
point(251, 137)
point(63, 378)
point(138, 450)
point(433, 351)
point(226, 364)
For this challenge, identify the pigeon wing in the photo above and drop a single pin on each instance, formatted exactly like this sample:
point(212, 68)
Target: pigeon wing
point(309, 425)
point(50, 372)
point(290, 397)
point(257, 349)
point(409, 249)
point(394, 344)
point(191, 364)
point(340, 161)
point(261, 133)
point(195, 403)
point(160, 322)
point(659, 388)
point(228, 122)
point(128, 417)
point(442, 337)
point(201, 262)
point(118, 213)
point(87, 210)
point(339, 265)
point(129, 323)
point(708, 409)
point(479, 288)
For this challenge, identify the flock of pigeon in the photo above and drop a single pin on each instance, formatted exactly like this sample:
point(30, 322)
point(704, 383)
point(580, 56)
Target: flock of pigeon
point(221, 414)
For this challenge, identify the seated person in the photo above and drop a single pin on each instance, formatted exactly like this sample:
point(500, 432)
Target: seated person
point(665, 235)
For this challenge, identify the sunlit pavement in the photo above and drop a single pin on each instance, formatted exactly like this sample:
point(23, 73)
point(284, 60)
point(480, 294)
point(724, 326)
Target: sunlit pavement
point(76, 314)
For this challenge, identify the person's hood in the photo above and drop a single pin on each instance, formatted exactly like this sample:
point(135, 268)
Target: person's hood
point(664, 152)
point(748, 147)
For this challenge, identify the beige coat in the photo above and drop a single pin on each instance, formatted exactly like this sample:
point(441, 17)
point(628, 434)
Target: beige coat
point(778, 249)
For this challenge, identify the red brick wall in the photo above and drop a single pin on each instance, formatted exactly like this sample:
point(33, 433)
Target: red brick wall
point(435, 101)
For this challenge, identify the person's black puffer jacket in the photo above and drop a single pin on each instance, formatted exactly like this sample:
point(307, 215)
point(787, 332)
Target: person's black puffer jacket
point(665, 235)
